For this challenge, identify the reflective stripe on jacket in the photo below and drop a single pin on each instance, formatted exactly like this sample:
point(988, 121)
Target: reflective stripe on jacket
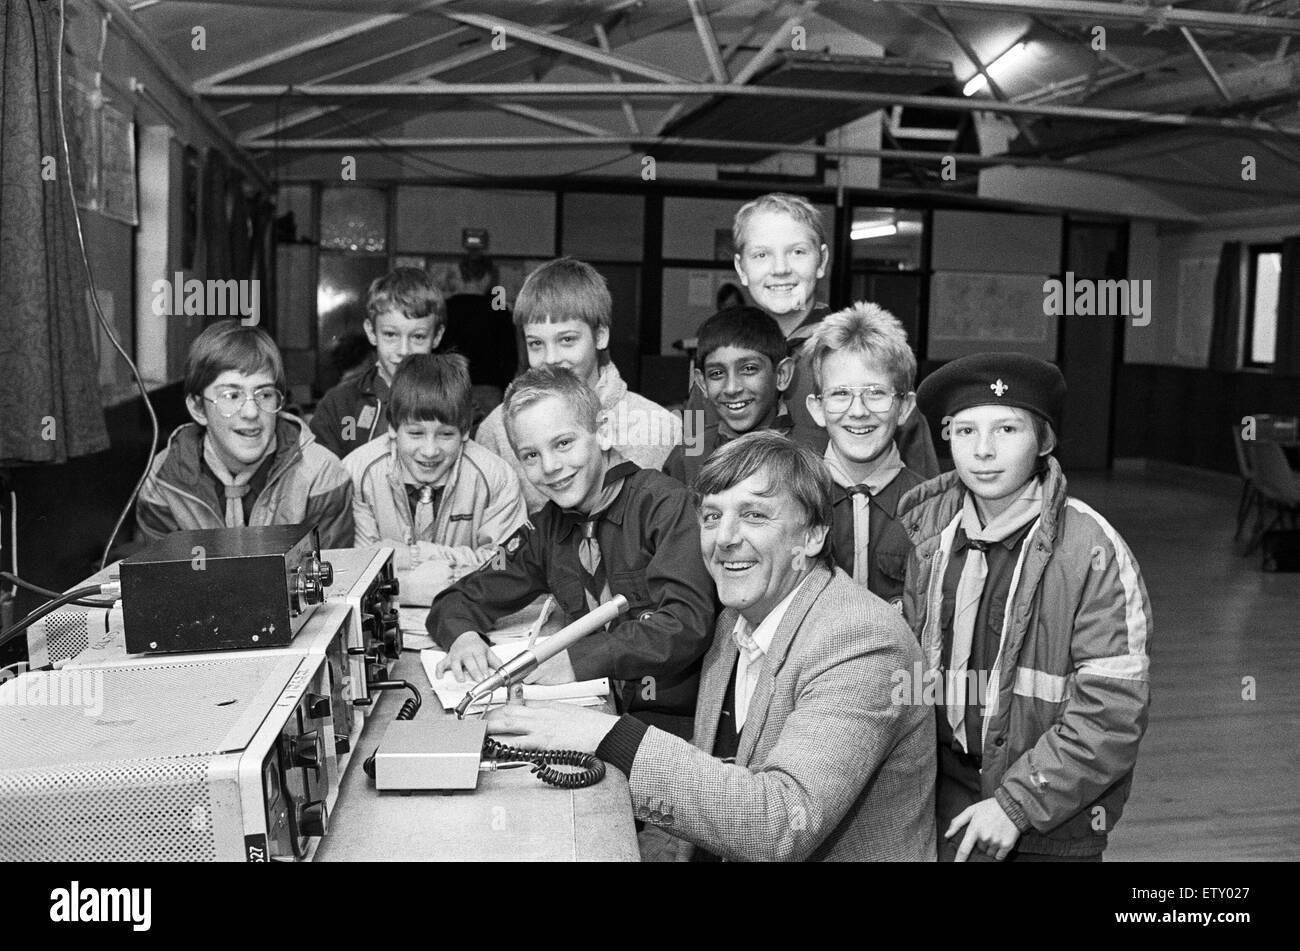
point(1069, 690)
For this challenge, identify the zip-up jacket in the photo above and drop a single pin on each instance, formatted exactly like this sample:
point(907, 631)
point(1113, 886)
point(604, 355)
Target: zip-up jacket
point(480, 507)
point(352, 413)
point(306, 483)
point(1068, 691)
point(649, 540)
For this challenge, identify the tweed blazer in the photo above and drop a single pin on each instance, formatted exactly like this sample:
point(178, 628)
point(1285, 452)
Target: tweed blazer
point(829, 766)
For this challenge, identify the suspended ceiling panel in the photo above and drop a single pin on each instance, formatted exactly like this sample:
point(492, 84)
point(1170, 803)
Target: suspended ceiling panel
point(783, 120)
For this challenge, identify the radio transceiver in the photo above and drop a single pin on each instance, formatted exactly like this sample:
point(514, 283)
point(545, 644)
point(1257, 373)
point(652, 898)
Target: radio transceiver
point(364, 581)
point(218, 758)
point(222, 589)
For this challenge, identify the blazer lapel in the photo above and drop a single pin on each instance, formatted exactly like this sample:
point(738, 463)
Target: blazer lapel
point(715, 674)
point(782, 640)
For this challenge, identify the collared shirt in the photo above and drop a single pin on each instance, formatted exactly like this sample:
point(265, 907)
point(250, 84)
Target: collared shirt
point(413, 497)
point(750, 662)
point(889, 544)
point(1001, 559)
point(685, 467)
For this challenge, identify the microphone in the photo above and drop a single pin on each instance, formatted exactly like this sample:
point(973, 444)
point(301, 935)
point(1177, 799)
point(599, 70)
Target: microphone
point(518, 667)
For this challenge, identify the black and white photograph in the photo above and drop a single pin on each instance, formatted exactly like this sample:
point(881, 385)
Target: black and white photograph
point(707, 431)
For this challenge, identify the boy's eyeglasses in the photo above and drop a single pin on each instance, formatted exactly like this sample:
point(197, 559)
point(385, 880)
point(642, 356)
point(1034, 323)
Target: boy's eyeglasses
point(231, 401)
point(876, 399)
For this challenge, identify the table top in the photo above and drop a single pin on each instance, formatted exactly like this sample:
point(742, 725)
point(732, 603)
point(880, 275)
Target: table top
point(512, 816)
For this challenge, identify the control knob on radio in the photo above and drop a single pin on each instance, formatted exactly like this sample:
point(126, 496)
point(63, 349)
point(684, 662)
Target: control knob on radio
point(306, 750)
point(313, 819)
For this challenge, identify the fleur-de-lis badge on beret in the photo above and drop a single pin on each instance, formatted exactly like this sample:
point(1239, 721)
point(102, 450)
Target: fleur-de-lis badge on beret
point(998, 388)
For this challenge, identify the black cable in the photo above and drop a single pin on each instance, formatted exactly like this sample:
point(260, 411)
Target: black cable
point(409, 709)
point(94, 295)
point(591, 771)
point(10, 633)
point(48, 593)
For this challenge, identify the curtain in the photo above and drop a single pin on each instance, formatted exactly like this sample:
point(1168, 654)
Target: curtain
point(1287, 355)
point(1227, 309)
point(50, 409)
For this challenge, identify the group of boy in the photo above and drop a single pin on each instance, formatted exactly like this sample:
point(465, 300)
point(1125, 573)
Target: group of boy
point(556, 493)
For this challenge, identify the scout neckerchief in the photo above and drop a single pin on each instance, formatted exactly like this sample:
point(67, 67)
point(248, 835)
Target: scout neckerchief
point(1027, 506)
point(235, 485)
point(887, 468)
point(595, 579)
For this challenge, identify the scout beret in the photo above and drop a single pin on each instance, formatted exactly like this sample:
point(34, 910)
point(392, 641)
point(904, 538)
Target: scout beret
point(1000, 379)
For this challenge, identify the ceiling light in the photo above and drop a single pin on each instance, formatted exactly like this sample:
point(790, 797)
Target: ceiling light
point(873, 229)
point(1001, 66)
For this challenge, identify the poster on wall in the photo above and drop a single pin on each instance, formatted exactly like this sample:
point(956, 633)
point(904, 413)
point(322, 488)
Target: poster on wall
point(971, 312)
point(117, 192)
point(82, 120)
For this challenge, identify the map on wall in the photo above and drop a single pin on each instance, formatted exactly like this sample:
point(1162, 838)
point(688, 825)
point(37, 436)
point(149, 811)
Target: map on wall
point(971, 312)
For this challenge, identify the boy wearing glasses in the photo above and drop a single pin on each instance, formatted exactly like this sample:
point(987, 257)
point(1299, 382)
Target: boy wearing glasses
point(862, 370)
point(242, 462)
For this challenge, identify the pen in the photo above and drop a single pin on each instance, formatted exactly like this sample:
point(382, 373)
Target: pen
point(516, 691)
point(541, 620)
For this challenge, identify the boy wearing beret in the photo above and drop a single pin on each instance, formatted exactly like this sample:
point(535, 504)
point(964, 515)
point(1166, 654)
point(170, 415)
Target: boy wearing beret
point(1033, 621)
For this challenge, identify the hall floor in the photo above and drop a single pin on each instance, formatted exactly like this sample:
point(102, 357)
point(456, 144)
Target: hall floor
point(1218, 776)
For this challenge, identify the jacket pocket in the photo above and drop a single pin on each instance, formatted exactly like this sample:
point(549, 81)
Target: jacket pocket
point(633, 586)
point(569, 593)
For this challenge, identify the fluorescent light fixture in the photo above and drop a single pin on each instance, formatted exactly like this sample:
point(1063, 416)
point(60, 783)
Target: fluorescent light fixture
point(999, 67)
point(873, 229)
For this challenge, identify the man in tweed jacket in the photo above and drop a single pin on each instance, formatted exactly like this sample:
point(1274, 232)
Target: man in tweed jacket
point(800, 750)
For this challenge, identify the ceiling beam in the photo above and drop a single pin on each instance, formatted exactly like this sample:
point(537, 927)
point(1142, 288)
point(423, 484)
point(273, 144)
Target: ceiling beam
point(994, 88)
point(362, 64)
point(667, 119)
point(121, 18)
point(466, 58)
point(704, 29)
point(629, 114)
point(1206, 64)
point(674, 90)
point(563, 44)
point(372, 143)
point(307, 46)
point(1158, 17)
point(768, 50)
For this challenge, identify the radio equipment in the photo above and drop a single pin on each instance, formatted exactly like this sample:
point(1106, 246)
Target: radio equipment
point(222, 589)
point(225, 758)
point(63, 634)
point(365, 582)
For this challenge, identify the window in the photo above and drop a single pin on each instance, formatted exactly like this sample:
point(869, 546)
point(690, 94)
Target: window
point(1261, 304)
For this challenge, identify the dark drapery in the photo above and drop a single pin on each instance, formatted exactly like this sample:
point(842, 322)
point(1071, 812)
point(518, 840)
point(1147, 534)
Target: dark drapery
point(1227, 309)
point(1286, 360)
point(50, 407)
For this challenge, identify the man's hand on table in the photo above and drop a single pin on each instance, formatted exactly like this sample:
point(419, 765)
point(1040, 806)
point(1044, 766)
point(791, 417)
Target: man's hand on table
point(541, 725)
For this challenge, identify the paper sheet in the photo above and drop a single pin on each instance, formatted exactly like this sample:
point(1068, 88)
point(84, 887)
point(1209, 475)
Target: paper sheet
point(450, 691)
